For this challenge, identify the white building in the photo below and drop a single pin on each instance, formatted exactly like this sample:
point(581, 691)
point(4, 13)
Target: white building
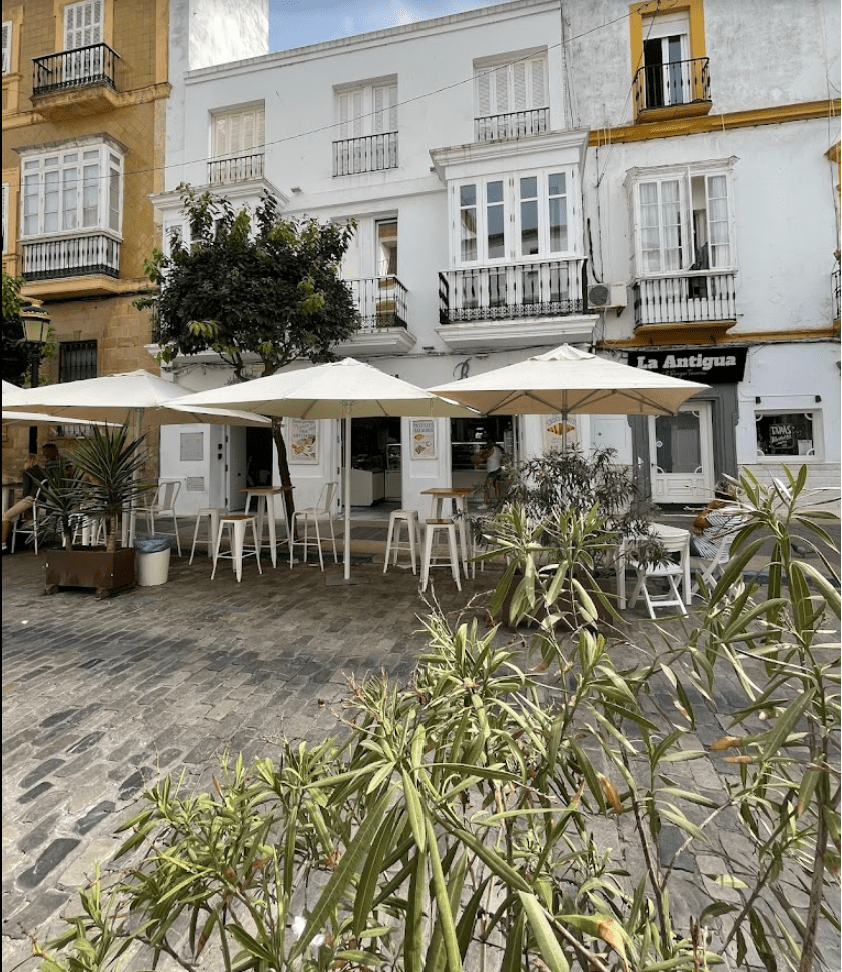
point(653, 180)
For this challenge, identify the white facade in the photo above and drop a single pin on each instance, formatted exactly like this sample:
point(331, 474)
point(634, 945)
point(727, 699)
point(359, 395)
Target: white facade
point(513, 158)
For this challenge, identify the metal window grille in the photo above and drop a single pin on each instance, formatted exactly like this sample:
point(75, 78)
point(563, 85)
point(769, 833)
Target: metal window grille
point(77, 360)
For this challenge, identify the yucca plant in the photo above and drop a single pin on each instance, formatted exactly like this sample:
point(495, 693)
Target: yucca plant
point(61, 496)
point(110, 464)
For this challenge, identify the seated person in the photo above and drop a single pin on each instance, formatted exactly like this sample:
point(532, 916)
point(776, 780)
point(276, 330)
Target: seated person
point(31, 479)
point(719, 518)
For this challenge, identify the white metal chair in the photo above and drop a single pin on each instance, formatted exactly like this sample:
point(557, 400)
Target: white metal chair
point(213, 513)
point(314, 514)
point(236, 524)
point(26, 527)
point(666, 569)
point(163, 504)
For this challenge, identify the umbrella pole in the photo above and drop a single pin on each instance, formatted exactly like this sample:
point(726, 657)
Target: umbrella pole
point(347, 502)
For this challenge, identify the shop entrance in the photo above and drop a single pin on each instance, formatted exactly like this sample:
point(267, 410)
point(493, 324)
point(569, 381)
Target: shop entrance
point(467, 437)
point(259, 456)
point(375, 460)
point(681, 455)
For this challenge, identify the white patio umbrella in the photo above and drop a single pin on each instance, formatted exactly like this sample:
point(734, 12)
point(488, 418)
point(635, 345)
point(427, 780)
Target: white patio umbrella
point(12, 392)
point(567, 380)
point(343, 389)
point(123, 399)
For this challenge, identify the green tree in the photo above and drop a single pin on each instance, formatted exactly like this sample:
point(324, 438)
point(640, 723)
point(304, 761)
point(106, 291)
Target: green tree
point(15, 351)
point(251, 284)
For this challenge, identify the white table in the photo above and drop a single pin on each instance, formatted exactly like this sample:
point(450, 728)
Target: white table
point(675, 540)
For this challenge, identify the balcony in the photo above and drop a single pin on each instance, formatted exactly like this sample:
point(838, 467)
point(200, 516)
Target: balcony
point(834, 292)
point(369, 153)
point(516, 124)
point(239, 168)
point(675, 90)
point(514, 305)
point(76, 82)
point(94, 256)
point(695, 298)
point(381, 310)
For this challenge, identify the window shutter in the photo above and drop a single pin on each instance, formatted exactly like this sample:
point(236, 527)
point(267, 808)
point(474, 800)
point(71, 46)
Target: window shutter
point(538, 70)
point(260, 128)
point(520, 101)
point(7, 48)
point(483, 92)
point(379, 120)
point(357, 113)
point(82, 24)
point(719, 225)
point(247, 134)
point(220, 136)
point(501, 90)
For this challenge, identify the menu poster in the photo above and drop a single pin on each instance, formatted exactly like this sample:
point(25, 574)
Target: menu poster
point(555, 429)
point(423, 436)
point(304, 439)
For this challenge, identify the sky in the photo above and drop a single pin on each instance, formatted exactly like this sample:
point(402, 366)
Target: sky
point(297, 23)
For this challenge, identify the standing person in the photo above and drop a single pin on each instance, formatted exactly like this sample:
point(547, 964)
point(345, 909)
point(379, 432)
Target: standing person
point(31, 479)
point(492, 456)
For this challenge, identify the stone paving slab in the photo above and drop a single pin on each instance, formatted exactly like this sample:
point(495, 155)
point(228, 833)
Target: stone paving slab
point(101, 696)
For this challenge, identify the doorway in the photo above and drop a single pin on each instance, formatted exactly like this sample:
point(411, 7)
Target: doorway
point(681, 455)
point(259, 456)
point(375, 459)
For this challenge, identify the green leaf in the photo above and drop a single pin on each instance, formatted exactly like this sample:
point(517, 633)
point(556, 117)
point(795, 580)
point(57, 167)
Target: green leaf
point(548, 944)
point(371, 872)
point(414, 811)
point(445, 911)
point(786, 723)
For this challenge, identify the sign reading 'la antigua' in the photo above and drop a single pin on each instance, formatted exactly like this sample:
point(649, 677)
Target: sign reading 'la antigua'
point(708, 365)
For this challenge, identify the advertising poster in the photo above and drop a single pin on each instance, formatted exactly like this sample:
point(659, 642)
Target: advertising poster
point(423, 438)
point(555, 428)
point(304, 440)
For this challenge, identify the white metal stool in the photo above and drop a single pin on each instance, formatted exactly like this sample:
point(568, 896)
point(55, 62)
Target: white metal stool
point(213, 514)
point(397, 520)
point(433, 528)
point(237, 523)
point(667, 569)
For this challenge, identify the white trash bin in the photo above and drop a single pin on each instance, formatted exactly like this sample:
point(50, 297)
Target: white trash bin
point(152, 563)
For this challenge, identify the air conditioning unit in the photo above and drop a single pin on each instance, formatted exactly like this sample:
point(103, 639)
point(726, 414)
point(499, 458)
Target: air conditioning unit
point(607, 295)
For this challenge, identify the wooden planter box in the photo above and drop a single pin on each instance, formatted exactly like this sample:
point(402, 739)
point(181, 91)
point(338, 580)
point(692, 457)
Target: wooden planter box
point(102, 569)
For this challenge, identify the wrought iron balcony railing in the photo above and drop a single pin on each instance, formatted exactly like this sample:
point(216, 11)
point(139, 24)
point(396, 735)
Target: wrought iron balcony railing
point(236, 169)
point(676, 83)
point(71, 256)
point(369, 153)
point(834, 289)
point(380, 302)
point(93, 64)
point(695, 295)
point(515, 124)
point(544, 288)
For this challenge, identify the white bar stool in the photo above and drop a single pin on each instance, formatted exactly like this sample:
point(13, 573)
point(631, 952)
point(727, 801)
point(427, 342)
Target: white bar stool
point(433, 528)
point(264, 497)
point(213, 514)
point(237, 523)
point(397, 520)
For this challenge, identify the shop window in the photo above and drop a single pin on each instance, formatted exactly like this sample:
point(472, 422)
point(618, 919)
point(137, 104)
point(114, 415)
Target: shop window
point(786, 434)
point(77, 360)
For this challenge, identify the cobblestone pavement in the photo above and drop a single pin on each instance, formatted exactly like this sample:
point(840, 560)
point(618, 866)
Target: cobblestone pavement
point(99, 696)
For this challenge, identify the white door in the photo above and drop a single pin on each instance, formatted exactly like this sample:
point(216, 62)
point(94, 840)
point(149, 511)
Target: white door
point(681, 455)
point(235, 463)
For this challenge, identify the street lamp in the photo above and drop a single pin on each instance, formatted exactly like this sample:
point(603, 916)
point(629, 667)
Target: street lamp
point(36, 329)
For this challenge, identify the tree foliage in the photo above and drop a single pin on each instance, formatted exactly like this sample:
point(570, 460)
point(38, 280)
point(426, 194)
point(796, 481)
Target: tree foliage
point(245, 284)
point(15, 351)
point(251, 285)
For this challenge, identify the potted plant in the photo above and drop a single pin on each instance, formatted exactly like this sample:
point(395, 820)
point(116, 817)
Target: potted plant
point(103, 481)
point(560, 520)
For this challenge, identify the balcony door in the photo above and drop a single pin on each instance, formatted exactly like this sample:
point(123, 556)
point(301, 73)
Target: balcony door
point(82, 28)
point(666, 53)
point(681, 455)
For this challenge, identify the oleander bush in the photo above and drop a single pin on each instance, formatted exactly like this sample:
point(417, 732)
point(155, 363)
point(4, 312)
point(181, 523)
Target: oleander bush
point(506, 809)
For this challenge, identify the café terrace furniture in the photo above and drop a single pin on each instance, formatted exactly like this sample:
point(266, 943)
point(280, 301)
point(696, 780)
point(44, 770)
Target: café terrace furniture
point(397, 520)
point(673, 540)
point(433, 528)
point(265, 510)
point(459, 496)
point(313, 515)
point(212, 515)
point(237, 524)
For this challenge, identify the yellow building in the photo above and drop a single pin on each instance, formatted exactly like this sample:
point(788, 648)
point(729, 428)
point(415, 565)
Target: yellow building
point(85, 86)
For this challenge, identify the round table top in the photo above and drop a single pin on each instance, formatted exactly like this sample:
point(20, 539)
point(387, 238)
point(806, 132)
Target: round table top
point(448, 491)
point(264, 489)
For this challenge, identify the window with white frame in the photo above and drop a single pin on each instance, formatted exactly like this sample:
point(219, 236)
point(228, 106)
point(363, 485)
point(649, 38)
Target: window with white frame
point(366, 127)
point(238, 138)
point(77, 189)
point(510, 98)
point(514, 217)
point(683, 220)
point(7, 46)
